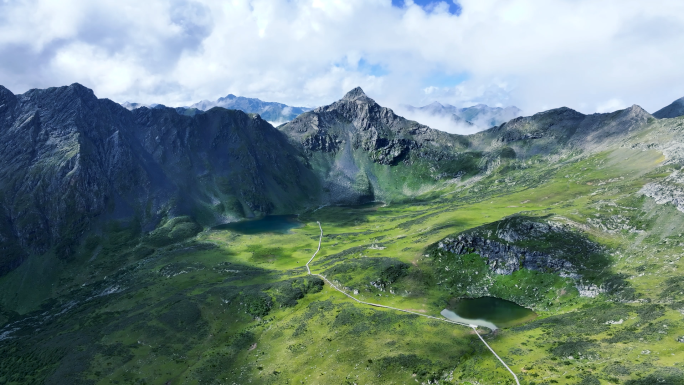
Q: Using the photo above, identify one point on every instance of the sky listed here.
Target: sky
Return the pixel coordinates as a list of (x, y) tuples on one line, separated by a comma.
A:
[(593, 56)]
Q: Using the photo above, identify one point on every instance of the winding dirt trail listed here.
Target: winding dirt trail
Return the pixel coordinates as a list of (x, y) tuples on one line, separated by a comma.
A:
[(474, 327)]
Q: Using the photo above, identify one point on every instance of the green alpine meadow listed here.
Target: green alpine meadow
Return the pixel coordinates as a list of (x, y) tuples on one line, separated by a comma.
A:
[(154, 246)]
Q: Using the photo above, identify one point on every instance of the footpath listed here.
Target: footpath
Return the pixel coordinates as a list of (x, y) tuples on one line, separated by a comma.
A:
[(474, 327)]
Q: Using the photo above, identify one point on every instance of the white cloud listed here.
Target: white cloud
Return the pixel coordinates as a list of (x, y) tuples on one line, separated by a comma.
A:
[(533, 54), (611, 105)]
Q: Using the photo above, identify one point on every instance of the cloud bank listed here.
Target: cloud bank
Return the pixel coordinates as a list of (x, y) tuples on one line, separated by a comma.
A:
[(588, 55)]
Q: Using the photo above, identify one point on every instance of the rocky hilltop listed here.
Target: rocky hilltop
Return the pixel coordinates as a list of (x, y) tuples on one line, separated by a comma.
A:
[(72, 162)]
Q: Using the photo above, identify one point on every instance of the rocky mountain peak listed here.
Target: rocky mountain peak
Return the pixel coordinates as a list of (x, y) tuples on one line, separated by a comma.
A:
[(228, 97), (356, 94), (636, 110)]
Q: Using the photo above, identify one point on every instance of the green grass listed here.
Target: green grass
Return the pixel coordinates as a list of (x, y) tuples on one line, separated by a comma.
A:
[(219, 307)]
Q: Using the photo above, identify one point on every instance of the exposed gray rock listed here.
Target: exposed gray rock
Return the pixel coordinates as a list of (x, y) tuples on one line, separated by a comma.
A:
[(505, 258), (537, 244), (589, 290), (670, 190)]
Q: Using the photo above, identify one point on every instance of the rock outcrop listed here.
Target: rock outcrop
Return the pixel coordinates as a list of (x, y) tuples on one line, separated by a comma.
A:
[(505, 258), (669, 190), (537, 244)]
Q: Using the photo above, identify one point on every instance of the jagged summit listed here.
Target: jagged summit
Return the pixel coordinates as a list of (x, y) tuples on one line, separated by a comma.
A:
[(356, 94), (673, 110)]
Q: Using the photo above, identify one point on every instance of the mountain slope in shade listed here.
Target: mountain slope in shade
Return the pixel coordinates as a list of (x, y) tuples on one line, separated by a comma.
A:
[(71, 162), (673, 110)]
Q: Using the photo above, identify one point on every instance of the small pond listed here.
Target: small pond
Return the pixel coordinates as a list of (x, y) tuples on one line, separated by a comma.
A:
[(269, 224), (490, 312)]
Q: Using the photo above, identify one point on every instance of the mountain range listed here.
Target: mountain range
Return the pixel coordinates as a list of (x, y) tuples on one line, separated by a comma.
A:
[(276, 113), (73, 162), (116, 265)]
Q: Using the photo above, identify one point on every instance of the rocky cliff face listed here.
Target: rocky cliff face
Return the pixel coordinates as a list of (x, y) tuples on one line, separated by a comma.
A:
[(70, 161), (503, 251)]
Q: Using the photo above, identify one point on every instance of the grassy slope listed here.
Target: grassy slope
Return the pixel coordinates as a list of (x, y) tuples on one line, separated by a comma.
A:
[(221, 308)]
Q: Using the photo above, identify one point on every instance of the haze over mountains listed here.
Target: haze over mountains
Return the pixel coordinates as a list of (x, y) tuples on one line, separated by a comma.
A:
[(445, 117), (460, 120), (274, 113)]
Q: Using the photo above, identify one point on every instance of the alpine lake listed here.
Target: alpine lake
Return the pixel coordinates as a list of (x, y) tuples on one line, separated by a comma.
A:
[(490, 312)]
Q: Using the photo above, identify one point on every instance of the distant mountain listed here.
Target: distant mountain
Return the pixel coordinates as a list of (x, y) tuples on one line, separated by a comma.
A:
[(671, 111), (270, 111), (477, 117), (275, 113)]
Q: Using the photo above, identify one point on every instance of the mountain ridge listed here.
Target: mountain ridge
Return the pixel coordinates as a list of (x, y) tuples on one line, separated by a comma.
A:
[(71, 160)]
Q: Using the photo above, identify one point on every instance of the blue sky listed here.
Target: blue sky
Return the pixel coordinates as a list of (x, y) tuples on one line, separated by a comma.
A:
[(453, 6), (593, 56)]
